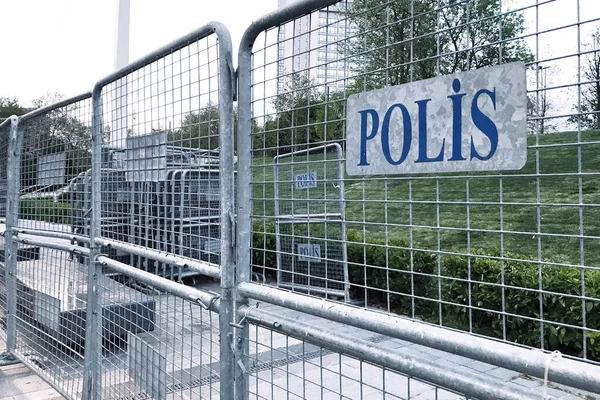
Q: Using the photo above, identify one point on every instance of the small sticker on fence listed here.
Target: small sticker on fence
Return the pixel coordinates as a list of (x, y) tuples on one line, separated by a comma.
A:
[(306, 181), (309, 252)]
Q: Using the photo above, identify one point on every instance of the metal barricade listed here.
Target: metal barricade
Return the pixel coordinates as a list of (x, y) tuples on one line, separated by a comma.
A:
[(162, 194), (52, 148), (502, 255), (423, 279)]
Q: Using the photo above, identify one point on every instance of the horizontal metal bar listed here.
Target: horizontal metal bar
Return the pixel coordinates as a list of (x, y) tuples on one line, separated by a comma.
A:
[(577, 374), (310, 150), (167, 49), (470, 384), (54, 245), (53, 234), (206, 299), (7, 121), (204, 268), (57, 105), (278, 17)]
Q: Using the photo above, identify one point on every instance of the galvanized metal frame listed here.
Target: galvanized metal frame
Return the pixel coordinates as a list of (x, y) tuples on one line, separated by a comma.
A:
[(527, 361), (15, 230), (531, 362), (244, 213), (470, 384), (12, 219), (226, 154), (235, 314), (281, 219)]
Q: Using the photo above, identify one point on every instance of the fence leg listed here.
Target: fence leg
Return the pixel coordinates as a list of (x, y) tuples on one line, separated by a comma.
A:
[(227, 215), (11, 246), (92, 372)]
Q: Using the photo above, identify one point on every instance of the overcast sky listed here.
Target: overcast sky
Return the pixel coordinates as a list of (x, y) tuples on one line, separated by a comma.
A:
[(67, 45)]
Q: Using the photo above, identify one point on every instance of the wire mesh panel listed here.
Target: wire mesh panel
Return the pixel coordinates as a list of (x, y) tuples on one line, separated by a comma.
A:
[(160, 157), (309, 212), (287, 367), (162, 182), (51, 306), (510, 255), (157, 345), (55, 157)]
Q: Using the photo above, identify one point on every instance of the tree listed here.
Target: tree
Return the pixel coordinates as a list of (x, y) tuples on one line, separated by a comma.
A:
[(473, 30), (303, 117), (294, 125), (66, 129), (383, 48), (540, 103), (9, 106), (200, 129), (403, 40), (588, 111)]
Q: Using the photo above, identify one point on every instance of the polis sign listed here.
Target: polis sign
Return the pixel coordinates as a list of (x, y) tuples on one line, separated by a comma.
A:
[(470, 121)]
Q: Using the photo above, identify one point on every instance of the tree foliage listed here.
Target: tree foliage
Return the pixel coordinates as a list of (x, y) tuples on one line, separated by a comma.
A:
[(589, 109), (402, 41), (200, 129), (392, 42), (65, 129), (303, 116), (9, 106)]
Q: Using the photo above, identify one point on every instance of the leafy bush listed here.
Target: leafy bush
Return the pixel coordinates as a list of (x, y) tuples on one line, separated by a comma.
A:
[(380, 274), (45, 210), (522, 298), (264, 254), (376, 270)]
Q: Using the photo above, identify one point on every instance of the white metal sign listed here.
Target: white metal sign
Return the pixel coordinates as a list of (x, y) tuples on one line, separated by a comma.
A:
[(309, 252), (51, 169), (470, 121), (306, 181), (146, 158)]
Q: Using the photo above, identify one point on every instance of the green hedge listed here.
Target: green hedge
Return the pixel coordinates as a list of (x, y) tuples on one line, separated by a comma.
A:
[(45, 210), (382, 275)]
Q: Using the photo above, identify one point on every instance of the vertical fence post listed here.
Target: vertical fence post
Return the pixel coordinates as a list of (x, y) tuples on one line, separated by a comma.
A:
[(92, 375), (244, 212), (11, 250), (226, 185), (244, 147)]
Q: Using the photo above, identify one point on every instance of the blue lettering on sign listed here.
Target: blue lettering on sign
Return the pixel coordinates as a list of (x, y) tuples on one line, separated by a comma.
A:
[(306, 181), (480, 120), (309, 252)]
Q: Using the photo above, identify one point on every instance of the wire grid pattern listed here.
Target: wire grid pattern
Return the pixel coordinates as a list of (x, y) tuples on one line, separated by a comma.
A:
[(50, 318), (156, 345), (282, 366), (4, 141), (311, 255), (509, 255), (55, 156), (160, 162)]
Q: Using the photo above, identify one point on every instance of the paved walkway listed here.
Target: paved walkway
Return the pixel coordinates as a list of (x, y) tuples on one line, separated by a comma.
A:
[(17, 382), (281, 367), (344, 377)]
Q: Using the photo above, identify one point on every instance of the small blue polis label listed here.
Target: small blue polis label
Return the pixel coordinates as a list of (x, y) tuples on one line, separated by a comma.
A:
[(309, 252), (306, 181), (471, 121)]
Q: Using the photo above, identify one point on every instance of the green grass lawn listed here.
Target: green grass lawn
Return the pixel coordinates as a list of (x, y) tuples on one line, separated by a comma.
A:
[(442, 219)]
